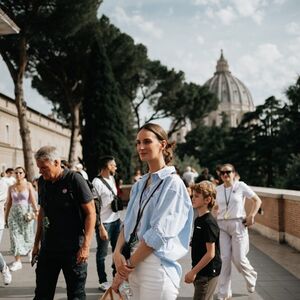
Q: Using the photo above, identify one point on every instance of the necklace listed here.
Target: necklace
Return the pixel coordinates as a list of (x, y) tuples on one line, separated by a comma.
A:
[(227, 200)]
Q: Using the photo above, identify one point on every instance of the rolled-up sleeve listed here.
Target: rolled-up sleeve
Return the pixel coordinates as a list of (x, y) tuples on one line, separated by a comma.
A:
[(169, 216)]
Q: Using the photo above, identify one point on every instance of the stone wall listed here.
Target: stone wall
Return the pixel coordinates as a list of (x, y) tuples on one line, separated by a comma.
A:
[(279, 217)]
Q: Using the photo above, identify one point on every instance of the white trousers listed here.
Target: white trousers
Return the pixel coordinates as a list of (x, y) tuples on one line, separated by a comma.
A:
[(149, 281), (234, 246)]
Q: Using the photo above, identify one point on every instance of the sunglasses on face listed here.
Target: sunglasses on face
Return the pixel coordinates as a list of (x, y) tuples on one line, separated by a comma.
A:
[(225, 172)]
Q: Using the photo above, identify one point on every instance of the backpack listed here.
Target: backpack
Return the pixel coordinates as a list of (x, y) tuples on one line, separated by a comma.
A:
[(97, 200)]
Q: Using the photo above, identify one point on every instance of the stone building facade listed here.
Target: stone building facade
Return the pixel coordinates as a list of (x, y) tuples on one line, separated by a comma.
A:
[(43, 129)]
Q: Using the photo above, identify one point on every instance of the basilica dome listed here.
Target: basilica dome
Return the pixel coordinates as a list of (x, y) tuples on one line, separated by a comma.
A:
[(235, 98)]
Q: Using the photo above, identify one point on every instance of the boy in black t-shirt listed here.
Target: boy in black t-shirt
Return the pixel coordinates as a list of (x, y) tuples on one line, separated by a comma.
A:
[(206, 260)]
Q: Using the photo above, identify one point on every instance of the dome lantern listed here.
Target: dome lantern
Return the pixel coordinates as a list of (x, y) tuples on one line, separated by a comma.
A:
[(222, 64)]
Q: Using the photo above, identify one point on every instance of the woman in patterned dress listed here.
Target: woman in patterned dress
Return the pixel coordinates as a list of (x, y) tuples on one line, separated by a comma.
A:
[(21, 199)]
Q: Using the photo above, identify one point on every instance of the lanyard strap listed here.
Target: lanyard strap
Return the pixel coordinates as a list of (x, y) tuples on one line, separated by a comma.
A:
[(141, 209), (227, 200)]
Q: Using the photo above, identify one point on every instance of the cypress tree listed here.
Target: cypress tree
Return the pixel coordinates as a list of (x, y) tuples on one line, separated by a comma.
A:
[(104, 128)]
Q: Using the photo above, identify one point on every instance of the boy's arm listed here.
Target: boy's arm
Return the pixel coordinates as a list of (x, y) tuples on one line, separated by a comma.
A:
[(207, 257)]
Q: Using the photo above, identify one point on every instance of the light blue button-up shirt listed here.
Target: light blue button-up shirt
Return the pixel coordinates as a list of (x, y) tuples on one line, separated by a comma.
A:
[(166, 221)]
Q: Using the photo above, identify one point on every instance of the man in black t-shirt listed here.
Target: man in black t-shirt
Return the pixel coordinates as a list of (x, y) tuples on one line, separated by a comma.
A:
[(65, 227), (206, 260)]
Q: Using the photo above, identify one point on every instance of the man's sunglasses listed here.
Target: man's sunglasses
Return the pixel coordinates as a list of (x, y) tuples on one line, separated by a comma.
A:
[(225, 172)]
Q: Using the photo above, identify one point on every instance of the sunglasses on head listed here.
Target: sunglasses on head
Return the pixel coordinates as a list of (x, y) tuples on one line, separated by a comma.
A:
[(225, 172)]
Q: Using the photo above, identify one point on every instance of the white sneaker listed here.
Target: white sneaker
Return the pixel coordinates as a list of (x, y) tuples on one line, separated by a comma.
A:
[(6, 275), (104, 286), (15, 266)]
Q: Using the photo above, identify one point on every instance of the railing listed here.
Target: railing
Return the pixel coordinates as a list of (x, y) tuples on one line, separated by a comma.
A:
[(279, 216)]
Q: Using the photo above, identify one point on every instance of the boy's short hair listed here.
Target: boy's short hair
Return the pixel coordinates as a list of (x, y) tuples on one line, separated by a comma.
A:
[(207, 189)]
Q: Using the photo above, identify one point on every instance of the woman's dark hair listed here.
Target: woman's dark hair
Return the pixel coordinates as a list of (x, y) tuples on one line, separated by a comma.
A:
[(104, 160), (161, 136), (228, 165)]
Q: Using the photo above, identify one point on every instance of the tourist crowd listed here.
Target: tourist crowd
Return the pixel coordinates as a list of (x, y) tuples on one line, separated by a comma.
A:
[(52, 220)]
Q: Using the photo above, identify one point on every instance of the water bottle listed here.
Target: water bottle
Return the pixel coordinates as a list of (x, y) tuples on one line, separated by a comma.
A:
[(125, 290)]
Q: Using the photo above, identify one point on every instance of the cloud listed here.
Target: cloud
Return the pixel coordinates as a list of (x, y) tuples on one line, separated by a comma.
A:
[(226, 15), (206, 2), (269, 70), (170, 12), (200, 39), (235, 9), (292, 28), (138, 21), (268, 53), (279, 2)]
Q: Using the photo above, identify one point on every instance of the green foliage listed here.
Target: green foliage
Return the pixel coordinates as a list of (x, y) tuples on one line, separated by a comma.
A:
[(104, 131), (292, 178), (207, 144)]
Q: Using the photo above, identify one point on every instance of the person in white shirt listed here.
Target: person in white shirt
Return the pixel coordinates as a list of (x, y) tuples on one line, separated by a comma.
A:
[(3, 266), (234, 222), (109, 232), (189, 176), (79, 168), (9, 177)]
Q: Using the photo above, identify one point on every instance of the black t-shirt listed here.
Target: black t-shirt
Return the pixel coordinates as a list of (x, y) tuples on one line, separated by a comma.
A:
[(206, 230), (63, 223)]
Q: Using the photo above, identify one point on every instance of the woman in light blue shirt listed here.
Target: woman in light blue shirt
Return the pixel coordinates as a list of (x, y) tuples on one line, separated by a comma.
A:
[(158, 222)]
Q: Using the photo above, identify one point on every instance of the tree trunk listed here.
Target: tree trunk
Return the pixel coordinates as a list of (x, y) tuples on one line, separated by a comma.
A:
[(21, 108), (75, 131)]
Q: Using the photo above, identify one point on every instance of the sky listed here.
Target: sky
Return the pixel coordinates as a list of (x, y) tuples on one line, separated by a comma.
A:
[(260, 40)]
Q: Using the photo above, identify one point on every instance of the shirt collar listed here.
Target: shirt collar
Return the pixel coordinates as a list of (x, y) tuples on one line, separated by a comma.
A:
[(162, 173)]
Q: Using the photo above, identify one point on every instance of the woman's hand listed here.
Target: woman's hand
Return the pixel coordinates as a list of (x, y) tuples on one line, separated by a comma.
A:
[(190, 277), (249, 220), (121, 265)]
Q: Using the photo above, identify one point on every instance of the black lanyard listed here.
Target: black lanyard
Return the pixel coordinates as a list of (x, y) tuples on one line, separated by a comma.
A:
[(141, 209)]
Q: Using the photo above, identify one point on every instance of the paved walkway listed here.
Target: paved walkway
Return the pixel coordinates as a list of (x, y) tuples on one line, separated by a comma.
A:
[(278, 269)]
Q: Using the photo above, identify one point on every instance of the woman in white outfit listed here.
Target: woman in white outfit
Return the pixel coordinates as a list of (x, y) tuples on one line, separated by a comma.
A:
[(158, 223), (234, 223)]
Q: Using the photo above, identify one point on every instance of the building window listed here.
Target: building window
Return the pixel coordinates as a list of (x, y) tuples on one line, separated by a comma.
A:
[(6, 139)]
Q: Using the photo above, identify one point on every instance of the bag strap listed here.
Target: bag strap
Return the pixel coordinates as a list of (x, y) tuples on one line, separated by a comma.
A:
[(141, 209), (107, 185)]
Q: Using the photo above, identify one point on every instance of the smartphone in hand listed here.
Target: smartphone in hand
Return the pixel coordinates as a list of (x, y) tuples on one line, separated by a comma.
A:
[(34, 260)]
